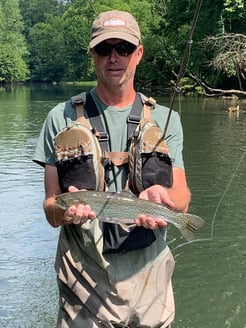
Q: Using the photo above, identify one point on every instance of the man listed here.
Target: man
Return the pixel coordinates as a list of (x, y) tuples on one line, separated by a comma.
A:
[(120, 288)]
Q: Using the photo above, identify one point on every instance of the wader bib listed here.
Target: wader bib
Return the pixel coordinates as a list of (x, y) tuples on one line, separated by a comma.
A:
[(84, 160)]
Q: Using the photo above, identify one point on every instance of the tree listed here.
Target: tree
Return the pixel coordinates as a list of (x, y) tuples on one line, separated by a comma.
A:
[(46, 39), (57, 33), (234, 16), (35, 11), (60, 46), (178, 17), (227, 47), (229, 54), (13, 50)]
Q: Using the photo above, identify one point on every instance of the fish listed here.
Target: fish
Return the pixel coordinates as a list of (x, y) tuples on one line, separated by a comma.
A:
[(124, 207)]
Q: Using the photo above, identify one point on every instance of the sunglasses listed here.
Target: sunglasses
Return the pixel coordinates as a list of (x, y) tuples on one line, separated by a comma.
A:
[(122, 48)]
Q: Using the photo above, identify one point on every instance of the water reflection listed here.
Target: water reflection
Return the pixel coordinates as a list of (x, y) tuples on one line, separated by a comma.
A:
[(27, 242), (209, 279)]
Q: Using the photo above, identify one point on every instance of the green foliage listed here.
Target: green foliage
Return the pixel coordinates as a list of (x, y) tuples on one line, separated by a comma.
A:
[(57, 34), (233, 5), (47, 60), (12, 66), (60, 46), (189, 87), (13, 50), (234, 14), (35, 11)]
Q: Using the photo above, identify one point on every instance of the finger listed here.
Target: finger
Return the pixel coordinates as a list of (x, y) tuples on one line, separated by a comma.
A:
[(80, 210), (83, 214), (78, 219), (150, 223), (138, 220), (145, 221), (79, 215), (70, 213), (88, 212), (161, 223)]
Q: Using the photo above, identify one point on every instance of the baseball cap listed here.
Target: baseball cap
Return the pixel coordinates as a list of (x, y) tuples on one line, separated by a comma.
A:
[(115, 24)]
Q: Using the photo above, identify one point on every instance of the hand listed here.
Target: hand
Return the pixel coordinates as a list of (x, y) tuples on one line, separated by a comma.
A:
[(157, 194), (78, 213), (149, 222)]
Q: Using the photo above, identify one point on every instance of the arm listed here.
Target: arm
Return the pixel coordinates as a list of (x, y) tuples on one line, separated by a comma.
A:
[(53, 214), (179, 193), (77, 214)]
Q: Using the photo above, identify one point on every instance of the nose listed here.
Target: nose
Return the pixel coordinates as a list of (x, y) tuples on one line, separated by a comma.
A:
[(113, 57)]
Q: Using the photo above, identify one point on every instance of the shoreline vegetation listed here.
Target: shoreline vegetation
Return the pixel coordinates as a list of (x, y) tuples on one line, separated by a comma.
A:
[(200, 88), (48, 41)]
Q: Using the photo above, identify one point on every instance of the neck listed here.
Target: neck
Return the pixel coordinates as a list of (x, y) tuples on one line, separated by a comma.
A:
[(116, 97)]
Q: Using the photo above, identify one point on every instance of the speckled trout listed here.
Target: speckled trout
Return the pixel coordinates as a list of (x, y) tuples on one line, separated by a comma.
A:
[(123, 208)]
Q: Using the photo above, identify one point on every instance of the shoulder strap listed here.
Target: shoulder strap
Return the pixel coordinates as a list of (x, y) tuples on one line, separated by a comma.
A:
[(84, 101), (142, 106), (135, 115), (78, 102), (96, 122), (117, 158)]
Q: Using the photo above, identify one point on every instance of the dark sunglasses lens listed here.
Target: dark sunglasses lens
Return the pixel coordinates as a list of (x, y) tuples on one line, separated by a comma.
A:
[(103, 49), (125, 48), (122, 48)]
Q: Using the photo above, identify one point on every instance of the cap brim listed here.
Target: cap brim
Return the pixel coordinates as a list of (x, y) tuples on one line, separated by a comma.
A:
[(114, 35)]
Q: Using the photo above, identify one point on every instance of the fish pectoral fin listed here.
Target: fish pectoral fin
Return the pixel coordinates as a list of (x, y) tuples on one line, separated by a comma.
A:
[(126, 227)]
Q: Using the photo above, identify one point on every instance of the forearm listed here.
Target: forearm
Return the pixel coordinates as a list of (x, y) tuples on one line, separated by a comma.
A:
[(181, 197), (179, 193), (54, 215)]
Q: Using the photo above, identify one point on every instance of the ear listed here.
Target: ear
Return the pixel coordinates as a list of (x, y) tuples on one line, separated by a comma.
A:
[(91, 52), (140, 52)]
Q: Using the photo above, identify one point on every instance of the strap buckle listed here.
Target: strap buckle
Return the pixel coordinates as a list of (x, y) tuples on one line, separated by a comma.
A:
[(103, 136), (135, 119)]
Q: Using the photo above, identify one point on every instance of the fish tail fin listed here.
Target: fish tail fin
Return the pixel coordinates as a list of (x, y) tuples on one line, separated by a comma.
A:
[(190, 224)]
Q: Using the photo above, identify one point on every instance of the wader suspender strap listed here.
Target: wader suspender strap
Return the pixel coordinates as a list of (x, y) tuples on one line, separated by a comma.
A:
[(135, 115), (117, 158), (85, 102), (96, 122), (94, 116), (99, 131)]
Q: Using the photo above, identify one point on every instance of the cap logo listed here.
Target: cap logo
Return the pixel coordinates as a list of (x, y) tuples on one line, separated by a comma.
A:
[(114, 22)]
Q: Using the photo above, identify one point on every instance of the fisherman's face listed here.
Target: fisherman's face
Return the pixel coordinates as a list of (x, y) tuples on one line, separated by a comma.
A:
[(116, 61)]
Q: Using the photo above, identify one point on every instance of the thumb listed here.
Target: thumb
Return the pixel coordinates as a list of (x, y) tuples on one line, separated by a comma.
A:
[(72, 189), (169, 203)]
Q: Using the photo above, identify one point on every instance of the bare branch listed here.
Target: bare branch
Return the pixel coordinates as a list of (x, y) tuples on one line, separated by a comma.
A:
[(230, 52)]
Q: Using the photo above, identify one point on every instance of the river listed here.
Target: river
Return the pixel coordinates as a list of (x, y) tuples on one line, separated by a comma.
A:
[(210, 276)]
